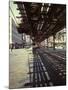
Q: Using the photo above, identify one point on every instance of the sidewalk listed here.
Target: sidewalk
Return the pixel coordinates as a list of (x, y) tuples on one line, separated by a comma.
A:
[(18, 67)]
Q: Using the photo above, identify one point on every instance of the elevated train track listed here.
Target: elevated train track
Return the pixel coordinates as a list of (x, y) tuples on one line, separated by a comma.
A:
[(41, 20)]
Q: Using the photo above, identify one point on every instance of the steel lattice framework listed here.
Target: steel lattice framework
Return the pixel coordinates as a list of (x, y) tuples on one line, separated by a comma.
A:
[(41, 20)]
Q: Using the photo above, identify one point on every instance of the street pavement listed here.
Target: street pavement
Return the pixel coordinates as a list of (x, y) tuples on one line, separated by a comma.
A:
[(18, 67), (39, 69)]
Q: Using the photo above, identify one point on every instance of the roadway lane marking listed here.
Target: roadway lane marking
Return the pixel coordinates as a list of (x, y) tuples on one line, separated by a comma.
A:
[(42, 64), (55, 55), (47, 75), (35, 76), (39, 77), (58, 56), (46, 70)]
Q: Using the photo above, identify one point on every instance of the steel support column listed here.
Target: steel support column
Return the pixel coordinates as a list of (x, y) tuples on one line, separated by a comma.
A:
[(47, 42), (54, 42), (22, 39)]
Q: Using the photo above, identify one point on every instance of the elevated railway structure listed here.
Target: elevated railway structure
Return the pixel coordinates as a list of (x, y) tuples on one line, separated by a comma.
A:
[(40, 21)]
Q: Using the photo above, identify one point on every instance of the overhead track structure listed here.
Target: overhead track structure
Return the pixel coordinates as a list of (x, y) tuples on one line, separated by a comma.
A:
[(41, 20)]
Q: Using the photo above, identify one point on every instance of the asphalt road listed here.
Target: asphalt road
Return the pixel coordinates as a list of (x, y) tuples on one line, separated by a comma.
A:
[(40, 68), (55, 65)]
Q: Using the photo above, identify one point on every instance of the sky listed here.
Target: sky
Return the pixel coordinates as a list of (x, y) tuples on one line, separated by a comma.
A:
[(15, 12)]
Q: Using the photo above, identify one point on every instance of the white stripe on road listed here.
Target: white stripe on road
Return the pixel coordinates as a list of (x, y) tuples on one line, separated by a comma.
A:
[(47, 75), (58, 56), (45, 69)]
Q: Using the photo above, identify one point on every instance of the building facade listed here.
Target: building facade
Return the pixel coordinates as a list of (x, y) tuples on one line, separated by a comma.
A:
[(15, 37)]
